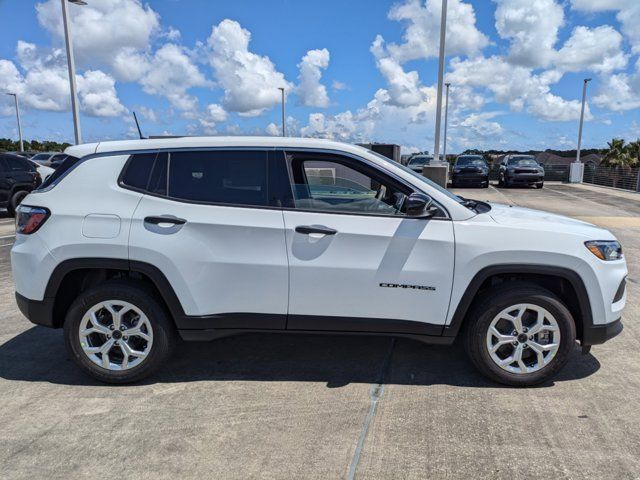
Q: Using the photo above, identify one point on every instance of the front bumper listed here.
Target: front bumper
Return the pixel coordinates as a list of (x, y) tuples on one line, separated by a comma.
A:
[(598, 334), (39, 312), (524, 178), (469, 178)]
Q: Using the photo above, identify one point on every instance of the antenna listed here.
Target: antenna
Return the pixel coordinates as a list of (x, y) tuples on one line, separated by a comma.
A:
[(135, 117)]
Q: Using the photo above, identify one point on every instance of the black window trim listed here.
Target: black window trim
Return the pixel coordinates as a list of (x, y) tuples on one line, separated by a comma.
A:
[(166, 196), (381, 171), (384, 174)]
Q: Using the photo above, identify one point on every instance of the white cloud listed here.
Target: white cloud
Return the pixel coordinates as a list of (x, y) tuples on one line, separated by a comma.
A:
[(422, 34), (273, 129), (103, 31), (98, 95), (516, 86), (628, 15), (311, 92), (598, 49), (532, 27), (620, 92), (404, 88), (337, 85), (480, 124), (250, 81), (171, 73)]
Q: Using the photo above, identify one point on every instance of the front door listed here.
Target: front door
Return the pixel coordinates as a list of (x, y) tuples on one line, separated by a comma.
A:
[(357, 263)]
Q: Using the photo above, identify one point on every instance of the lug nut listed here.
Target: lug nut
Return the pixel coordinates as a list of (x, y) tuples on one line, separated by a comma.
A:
[(514, 333), (525, 346), (515, 343), (525, 329), (122, 329), (531, 337), (111, 327), (125, 338), (117, 343)]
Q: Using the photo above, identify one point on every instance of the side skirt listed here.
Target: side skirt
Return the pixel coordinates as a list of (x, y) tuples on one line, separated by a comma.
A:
[(207, 335)]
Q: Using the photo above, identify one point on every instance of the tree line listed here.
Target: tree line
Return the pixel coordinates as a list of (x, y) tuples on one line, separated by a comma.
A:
[(8, 145)]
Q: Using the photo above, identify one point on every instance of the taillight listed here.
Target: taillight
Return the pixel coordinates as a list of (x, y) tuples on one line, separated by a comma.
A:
[(30, 219)]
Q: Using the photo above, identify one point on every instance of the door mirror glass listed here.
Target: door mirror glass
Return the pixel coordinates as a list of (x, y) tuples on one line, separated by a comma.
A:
[(419, 205)]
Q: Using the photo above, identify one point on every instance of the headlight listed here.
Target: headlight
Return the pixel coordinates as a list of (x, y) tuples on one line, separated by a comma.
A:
[(605, 249), (456, 170)]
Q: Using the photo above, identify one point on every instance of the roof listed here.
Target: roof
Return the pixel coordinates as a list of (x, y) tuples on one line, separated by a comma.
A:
[(200, 142)]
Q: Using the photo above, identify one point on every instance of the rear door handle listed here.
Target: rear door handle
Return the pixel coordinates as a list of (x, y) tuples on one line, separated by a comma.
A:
[(308, 229), (165, 219)]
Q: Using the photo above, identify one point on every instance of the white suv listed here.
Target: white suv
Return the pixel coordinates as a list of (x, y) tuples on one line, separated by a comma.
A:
[(132, 243)]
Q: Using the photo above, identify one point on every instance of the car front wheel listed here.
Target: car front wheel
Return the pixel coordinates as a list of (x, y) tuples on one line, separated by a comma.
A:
[(520, 336), (118, 332)]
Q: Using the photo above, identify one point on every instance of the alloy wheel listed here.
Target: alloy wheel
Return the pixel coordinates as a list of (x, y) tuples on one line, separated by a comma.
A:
[(523, 338), (116, 335)]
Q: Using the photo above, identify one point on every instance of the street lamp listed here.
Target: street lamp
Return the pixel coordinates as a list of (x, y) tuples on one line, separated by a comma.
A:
[(443, 26), (446, 121), (284, 132), (72, 67), (584, 97), (15, 98)]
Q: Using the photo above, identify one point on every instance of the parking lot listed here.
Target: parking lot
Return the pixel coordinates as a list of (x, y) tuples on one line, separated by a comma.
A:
[(298, 406)]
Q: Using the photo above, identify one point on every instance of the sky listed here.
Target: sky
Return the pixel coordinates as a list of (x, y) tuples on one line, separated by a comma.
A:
[(354, 71)]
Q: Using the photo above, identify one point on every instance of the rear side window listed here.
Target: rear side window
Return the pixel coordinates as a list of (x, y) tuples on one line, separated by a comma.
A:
[(17, 164), (224, 177), (138, 170), (57, 175)]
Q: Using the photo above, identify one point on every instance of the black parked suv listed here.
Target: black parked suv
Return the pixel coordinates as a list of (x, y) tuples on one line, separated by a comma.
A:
[(470, 170), (520, 170), (18, 176)]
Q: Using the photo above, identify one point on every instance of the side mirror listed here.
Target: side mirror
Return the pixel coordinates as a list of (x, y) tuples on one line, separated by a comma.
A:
[(419, 205)]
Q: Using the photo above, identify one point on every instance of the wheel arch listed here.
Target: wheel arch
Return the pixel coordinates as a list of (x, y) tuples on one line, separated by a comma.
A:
[(73, 276), (563, 282)]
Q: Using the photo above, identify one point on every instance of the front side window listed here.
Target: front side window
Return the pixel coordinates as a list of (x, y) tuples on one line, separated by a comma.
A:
[(420, 161), (329, 185), (216, 176)]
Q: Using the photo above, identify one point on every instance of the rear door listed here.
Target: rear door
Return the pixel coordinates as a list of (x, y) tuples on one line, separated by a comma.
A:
[(5, 182), (210, 223), (357, 263)]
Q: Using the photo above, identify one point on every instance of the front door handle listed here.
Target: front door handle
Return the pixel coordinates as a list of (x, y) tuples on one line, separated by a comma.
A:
[(308, 229), (165, 219)]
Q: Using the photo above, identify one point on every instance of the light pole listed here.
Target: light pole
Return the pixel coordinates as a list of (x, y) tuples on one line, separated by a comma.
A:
[(584, 98), (72, 68), (443, 27), (446, 121), (284, 132), (15, 98)]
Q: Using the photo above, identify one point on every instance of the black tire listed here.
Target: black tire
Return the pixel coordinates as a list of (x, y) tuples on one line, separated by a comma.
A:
[(540, 185), (164, 334), (484, 311), (15, 200), (485, 184)]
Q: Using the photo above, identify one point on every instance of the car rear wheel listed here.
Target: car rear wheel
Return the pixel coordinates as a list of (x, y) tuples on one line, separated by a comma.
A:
[(539, 184), (15, 200), (520, 336), (118, 332)]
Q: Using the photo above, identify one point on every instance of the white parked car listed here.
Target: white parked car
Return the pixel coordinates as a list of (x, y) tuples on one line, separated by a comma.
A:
[(135, 242)]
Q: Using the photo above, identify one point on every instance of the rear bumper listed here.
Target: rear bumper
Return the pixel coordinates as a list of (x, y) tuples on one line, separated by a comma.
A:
[(598, 334), (39, 312)]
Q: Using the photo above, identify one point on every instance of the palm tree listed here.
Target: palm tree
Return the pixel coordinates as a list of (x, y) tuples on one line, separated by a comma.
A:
[(614, 156)]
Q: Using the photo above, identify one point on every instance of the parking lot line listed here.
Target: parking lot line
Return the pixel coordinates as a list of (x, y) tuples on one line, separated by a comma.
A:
[(6, 236), (6, 244)]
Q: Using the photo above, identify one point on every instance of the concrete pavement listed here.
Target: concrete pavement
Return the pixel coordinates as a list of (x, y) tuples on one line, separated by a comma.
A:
[(277, 406)]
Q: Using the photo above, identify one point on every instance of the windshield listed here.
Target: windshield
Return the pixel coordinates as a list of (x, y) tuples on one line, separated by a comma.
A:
[(528, 161), (423, 160), (475, 161), (424, 180)]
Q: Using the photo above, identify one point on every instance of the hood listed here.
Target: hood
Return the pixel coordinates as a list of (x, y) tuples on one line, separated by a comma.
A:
[(537, 219)]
